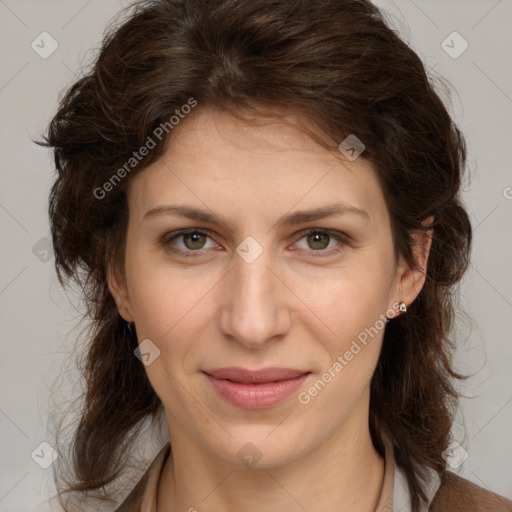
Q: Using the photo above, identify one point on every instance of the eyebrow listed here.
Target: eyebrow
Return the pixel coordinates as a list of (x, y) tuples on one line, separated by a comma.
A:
[(290, 219)]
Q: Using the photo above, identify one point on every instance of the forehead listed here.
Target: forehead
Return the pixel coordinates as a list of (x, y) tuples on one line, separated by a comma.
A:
[(268, 166)]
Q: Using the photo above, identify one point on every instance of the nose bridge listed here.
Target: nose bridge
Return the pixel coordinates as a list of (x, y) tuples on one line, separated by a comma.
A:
[(253, 312), (253, 279)]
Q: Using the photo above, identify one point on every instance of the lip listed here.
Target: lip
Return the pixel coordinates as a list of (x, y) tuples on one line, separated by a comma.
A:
[(259, 389)]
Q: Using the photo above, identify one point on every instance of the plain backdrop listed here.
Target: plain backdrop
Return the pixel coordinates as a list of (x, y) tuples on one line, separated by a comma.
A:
[(37, 317)]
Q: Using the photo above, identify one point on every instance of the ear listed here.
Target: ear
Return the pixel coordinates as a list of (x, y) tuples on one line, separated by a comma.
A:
[(410, 280), (117, 286)]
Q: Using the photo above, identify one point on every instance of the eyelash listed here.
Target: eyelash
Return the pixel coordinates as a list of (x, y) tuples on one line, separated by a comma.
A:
[(170, 237)]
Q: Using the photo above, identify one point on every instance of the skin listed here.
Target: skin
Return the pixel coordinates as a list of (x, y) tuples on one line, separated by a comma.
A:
[(294, 306)]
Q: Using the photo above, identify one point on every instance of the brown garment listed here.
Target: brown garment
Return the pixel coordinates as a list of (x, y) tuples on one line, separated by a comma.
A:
[(457, 494)]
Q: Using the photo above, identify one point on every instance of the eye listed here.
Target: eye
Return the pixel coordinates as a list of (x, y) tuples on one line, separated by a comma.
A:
[(319, 239), (193, 241)]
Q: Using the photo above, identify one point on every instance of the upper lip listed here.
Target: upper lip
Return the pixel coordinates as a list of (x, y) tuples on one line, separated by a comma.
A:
[(237, 374)]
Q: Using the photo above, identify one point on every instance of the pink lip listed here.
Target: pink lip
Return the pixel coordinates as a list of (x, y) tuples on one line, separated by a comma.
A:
[(255, 389)]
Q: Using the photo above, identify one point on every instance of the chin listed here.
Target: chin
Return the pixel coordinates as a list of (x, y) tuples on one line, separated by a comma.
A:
[(258, 447)]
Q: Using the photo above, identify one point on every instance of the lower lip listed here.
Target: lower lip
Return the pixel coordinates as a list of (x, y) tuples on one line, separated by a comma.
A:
[(256, 396)]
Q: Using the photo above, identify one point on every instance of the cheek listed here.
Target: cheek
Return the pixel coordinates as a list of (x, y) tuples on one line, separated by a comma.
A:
[(163, 301), (170, 309), (169, 303), (347, 301), (352, 310)]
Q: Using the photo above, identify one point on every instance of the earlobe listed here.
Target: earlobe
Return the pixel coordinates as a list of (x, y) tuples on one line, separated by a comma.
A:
[(117, 286)]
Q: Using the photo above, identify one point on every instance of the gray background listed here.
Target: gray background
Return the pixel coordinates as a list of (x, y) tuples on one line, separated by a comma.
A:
[(37, 317)]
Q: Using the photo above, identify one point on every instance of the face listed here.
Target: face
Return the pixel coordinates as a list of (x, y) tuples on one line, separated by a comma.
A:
[(265, 326)]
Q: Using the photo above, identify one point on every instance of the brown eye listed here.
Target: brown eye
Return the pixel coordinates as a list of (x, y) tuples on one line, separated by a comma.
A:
[(318, 240), (192, 242)]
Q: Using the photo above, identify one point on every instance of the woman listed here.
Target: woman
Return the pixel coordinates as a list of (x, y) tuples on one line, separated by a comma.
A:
[(261, 203)]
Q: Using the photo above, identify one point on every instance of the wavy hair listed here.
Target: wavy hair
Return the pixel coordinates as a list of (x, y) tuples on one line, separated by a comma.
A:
[(336, 63)]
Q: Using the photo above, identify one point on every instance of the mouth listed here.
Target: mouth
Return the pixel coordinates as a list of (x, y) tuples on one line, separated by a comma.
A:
[(258, 389)]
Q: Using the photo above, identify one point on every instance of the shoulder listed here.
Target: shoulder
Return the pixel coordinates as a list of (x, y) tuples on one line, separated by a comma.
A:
[(456, 494)]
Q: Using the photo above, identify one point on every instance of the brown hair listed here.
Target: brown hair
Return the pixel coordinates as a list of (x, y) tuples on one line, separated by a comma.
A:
[(336, 63)]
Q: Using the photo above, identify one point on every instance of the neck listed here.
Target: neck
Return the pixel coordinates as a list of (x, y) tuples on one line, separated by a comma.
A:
[(344, 474)]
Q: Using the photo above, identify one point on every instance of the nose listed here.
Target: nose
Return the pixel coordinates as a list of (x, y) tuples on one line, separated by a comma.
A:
[(254, 312)]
